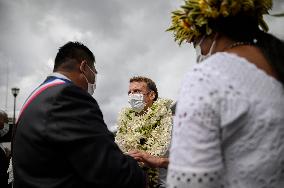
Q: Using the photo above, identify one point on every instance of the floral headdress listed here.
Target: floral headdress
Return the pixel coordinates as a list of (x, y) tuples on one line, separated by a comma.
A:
[(190, 22)]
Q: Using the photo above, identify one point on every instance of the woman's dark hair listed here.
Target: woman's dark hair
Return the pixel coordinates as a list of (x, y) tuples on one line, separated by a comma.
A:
[(243, 28)]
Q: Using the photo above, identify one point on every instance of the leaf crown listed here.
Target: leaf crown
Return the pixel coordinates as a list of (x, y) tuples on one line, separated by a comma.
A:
[(193, 18)]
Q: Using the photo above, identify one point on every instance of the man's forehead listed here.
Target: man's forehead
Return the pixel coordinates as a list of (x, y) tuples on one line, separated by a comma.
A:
[(137, 84)]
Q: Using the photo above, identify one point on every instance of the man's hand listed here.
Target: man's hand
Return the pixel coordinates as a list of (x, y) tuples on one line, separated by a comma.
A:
[(149, 160)]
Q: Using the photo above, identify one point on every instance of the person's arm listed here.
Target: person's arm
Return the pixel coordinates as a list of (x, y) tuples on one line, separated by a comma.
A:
[(77, 125), (149, 160)]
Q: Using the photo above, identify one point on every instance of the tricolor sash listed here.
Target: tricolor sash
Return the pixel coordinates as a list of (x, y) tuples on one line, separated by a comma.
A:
[(50, 82)]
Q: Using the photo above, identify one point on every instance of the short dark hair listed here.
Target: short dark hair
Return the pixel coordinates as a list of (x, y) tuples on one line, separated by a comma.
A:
[(3, 116), (73, 51), (150, 84)]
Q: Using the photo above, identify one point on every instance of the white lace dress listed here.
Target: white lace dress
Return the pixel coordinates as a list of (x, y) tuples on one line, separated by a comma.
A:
[(229, 127)]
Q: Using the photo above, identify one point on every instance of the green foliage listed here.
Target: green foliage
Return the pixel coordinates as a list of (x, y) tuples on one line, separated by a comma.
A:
[(191, 20)]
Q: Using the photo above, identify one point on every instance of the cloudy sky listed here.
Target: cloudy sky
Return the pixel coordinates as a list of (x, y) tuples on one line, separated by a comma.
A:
[(127, 37)]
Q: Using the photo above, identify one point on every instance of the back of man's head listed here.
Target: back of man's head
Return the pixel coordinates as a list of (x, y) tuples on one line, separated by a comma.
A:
[(71, 54)]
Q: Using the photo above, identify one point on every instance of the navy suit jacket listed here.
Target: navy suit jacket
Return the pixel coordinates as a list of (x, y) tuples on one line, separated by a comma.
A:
[(61, 140)]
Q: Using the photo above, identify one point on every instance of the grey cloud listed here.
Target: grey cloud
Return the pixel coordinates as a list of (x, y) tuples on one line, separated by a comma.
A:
[(127, 37)]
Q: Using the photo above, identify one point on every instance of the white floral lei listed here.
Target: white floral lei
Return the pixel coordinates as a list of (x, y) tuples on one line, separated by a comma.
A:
[(150, 132)]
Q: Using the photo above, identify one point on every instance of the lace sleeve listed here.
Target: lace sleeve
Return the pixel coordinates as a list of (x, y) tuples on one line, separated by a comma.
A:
[(195, 154)]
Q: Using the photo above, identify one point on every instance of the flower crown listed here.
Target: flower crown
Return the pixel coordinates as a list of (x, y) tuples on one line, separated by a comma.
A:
[(190, 22)]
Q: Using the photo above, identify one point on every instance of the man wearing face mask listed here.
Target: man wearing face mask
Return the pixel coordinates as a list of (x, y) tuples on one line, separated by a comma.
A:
[(144, 129), (61, 139)]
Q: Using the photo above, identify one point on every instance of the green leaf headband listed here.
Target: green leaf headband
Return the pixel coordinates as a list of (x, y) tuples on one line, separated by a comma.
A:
[(189, 22)]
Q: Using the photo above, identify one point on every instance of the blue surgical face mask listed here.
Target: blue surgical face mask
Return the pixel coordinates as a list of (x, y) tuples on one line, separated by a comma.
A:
[(5, 130), (91, 87), (199, 56)]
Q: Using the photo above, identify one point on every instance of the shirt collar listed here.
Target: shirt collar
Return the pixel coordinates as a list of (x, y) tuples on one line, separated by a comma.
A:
[(59, 75)]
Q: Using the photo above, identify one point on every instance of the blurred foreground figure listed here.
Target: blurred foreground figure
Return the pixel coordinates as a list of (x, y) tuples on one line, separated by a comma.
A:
[(228, 129), (61, 138), (4, 152)]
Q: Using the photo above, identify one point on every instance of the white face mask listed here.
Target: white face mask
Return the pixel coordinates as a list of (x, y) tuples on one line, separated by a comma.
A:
[(91, 87), (5, 129), (199, 56), (136, 102)]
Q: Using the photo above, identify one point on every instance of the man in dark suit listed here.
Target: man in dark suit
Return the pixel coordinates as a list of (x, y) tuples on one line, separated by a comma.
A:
[(61, 139)]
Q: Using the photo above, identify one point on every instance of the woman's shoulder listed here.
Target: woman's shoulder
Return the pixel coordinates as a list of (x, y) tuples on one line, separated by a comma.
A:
[(224, 67), (220, 61)]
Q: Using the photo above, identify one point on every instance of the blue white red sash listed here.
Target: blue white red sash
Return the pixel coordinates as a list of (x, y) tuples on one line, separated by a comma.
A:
[(39, 90)]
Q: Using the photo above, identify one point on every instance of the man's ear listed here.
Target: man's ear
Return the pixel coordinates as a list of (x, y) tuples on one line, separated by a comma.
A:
[(83, 65), (152, 95)]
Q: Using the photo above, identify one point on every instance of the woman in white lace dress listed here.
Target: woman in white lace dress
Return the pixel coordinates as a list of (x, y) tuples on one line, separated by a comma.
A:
[(229, 125)]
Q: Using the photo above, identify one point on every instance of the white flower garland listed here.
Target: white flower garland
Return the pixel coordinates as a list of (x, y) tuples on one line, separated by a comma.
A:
[(150, 132)]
